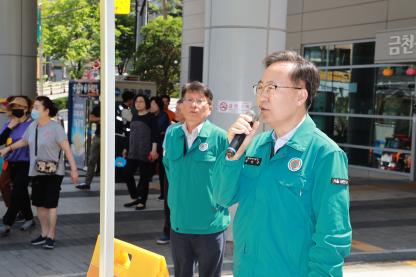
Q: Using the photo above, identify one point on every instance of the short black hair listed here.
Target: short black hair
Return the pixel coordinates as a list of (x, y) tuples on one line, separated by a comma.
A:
[(145, 98), (127, 95), (165, 96), (198, 87), (158, 101), (48, 104), (304, 71)]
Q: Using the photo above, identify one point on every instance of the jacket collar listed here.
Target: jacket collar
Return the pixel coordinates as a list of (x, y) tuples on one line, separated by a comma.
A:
[(300, 139), (204, 133)]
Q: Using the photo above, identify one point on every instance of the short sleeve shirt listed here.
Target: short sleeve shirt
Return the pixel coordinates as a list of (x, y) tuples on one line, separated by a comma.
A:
[(49, 138)]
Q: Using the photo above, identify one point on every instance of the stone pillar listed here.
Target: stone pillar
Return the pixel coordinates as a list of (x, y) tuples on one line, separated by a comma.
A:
[(238, 35), (17, 47)]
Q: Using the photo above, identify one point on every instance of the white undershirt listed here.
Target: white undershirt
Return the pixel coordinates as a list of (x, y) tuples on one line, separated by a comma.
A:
[(280, 142), (191, 137)]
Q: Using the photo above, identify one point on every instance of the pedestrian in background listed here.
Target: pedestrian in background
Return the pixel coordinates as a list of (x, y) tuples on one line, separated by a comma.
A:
[(46, 140), (165, 238), (94, 155), (141, 151), (162, 119), (290, 183), (122, 128), (197, 223), (17, 164), (166, 102), (5, 187)]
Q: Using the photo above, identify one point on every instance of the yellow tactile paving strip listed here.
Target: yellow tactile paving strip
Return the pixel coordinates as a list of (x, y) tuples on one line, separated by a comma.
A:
[(412, 263), (365, 247)]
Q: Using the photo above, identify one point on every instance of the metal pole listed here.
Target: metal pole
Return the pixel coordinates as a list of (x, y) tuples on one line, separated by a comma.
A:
[(413, 149), (145, 11), (107, 99)]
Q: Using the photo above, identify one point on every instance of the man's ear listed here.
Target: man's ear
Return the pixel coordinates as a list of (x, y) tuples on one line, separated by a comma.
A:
[(302, 96)]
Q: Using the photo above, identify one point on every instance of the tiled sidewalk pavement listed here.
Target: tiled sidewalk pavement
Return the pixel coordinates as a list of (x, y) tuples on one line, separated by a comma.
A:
[(383, 218), (77, 229)]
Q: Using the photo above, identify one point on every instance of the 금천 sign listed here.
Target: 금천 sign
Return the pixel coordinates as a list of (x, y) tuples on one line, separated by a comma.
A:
[(397, 45)]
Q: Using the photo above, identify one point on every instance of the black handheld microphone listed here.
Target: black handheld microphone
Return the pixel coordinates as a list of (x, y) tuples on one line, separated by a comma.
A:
[(239, 138)]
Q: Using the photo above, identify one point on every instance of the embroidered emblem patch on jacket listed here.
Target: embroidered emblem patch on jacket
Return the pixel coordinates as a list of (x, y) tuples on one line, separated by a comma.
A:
[(294, 164), (203, 147)]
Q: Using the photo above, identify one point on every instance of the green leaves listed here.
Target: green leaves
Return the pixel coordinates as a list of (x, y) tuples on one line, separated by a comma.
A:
[(158, 57), (71, 32)]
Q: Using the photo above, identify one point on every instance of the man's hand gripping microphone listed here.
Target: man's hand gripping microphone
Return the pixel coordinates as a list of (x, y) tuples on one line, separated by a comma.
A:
[(239, 138)]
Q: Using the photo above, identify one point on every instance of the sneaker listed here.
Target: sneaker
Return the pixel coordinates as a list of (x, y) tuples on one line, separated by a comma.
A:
[(4, 230), (20, 218), (49, 244), (163, 240), (83, 186), (38, 241), (27, 225)]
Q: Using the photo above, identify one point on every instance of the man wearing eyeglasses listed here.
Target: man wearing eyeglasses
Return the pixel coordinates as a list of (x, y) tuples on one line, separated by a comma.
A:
[(197, 223), (291, 183)]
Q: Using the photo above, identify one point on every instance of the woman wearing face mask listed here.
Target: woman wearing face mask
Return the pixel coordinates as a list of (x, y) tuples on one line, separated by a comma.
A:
[(17, 164), (141, 151), (47, 142)]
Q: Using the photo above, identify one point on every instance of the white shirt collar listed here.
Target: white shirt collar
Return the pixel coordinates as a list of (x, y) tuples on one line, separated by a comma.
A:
[(280, 142), (191, 137)]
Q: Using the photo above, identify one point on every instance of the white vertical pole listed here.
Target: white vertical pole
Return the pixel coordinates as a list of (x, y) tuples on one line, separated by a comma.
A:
[(107, 99)]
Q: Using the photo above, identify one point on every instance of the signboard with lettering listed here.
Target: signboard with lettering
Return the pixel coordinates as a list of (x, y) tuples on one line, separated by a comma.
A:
[(236, 107), (398, 45), (77, 117)]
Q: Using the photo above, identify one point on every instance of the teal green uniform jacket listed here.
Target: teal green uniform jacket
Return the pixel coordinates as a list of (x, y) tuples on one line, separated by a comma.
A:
[(189, 172), (292, 218)]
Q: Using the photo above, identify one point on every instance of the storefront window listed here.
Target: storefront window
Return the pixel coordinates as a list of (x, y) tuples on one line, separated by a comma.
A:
[(365, 108), (395, 94), (317, 55), (387, 141)]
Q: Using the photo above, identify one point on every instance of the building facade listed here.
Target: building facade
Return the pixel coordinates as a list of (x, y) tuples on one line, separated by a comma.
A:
[(366, 53), (17, 47)]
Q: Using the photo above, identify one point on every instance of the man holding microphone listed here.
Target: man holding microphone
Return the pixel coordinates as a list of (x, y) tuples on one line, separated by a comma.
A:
[(291, 183)]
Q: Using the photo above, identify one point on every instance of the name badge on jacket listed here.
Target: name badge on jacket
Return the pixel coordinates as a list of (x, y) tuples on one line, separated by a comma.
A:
[(253, 161)]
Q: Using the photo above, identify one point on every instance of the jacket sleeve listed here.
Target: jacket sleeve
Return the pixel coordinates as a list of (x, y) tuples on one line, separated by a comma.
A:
[(226, 180), (330, 202)]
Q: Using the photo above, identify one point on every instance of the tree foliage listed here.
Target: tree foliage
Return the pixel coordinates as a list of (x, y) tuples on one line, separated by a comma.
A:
[(158, 56), (71, 32), (125, 41), (174, 7)]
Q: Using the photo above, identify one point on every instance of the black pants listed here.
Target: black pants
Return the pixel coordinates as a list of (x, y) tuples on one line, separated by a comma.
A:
[(166, 227), (141, 191), (120, 143), (206, 250), (162, 176), (20, 201)]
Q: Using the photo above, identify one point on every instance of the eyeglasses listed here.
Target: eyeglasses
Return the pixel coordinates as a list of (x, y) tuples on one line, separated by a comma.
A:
[(268, 89), (198, 102)]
